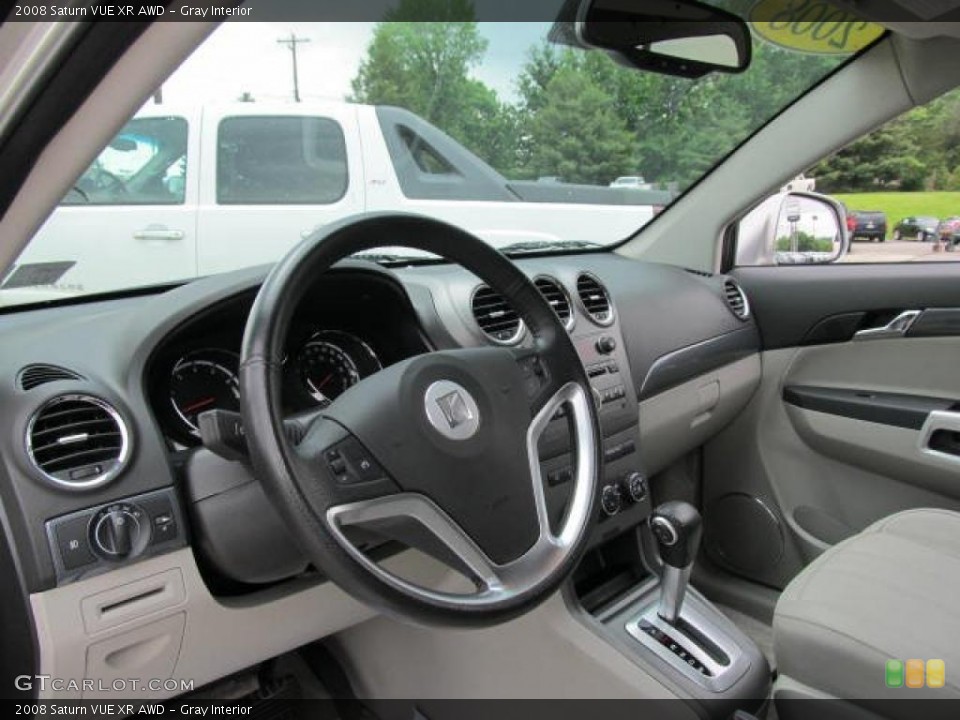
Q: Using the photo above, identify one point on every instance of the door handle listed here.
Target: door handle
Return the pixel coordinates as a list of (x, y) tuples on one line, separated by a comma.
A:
[(158, 233), (940, 436), (898, 327)]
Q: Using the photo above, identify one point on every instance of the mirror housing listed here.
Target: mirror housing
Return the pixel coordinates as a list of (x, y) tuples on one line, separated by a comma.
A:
[(793, 228), (672, 37)]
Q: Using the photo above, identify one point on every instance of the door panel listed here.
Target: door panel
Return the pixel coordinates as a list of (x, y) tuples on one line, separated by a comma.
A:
[(839, 433)]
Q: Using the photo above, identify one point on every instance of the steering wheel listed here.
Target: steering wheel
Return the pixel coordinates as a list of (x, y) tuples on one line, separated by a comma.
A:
[(439, 451)]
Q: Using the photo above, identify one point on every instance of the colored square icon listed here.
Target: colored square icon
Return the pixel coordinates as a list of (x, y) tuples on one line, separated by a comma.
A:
[(936, 673), (894, 674), (914, 673)]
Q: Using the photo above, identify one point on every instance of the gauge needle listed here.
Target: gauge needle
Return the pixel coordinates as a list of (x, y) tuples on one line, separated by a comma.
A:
[(199, 404), (323, 382)]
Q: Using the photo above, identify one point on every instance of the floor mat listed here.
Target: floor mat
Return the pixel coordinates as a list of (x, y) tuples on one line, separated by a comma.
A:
[(756, 630)]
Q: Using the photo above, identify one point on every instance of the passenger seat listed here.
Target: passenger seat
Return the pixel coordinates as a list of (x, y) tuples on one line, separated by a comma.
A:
[(890, 593)]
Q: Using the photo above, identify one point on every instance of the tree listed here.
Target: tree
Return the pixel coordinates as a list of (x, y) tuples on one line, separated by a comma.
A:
[(577, 134)]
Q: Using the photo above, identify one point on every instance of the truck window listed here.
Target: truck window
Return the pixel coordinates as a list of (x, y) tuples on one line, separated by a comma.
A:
[(280, 161), (145, 164)]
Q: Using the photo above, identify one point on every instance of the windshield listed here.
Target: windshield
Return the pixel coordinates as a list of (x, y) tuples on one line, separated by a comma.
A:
[(273, 130)]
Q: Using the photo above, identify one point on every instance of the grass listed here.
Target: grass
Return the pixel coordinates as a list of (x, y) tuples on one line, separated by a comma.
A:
[(898, 205)]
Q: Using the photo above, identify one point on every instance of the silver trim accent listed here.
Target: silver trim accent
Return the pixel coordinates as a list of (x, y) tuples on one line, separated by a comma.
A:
[(939, 420), (569, 323), (747, 312), (439, 414), (119, 464), (496, 583), (697, 613), (515, 338), (896, 328), (606, 294), (660, 521), (673, 588)]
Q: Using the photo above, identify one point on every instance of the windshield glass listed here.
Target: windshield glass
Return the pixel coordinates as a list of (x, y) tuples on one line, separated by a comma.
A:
[(273, 130)]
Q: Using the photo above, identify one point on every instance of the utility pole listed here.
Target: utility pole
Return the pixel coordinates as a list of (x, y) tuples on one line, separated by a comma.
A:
[(292, 42)]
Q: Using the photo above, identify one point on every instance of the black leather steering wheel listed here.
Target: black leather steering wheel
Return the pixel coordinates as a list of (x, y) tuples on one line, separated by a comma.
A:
[(439, 451)]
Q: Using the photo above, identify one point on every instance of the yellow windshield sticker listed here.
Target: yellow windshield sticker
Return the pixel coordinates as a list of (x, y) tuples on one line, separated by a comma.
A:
[(811, 26)]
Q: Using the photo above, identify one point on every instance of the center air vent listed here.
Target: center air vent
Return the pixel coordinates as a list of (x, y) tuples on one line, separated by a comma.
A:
[(595, 300), (736, 299), (78, 442), (36, 375), (496, 318), (557, 298)]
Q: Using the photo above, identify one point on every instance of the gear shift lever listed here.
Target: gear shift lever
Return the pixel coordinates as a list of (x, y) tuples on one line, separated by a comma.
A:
[(676, 526)]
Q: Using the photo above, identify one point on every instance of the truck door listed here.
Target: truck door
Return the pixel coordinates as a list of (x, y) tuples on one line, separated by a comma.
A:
[(271, 177), (136, 205)]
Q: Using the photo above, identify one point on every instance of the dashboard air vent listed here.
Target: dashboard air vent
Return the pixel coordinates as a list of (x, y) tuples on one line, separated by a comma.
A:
[(736, 299), (595, 300), (557, 298), (496, 318), (78, 441), (36, 375)]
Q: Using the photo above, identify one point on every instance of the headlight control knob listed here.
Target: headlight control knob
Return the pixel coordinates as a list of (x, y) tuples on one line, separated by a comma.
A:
[(611, 500), (635, 486), (119, 531)]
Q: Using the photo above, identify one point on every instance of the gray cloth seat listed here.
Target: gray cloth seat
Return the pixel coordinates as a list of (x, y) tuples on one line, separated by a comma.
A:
[(891, 592)]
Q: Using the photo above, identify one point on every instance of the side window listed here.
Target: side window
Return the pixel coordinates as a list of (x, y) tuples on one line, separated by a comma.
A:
[(280, 161), (145, 164), (901, 187)]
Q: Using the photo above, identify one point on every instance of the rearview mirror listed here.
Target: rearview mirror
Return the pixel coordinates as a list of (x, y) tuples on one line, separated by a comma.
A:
[(793, 229), (684, 38)]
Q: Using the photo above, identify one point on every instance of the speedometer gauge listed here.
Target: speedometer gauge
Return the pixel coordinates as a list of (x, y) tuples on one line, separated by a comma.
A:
[(331, 362), (204, 380)]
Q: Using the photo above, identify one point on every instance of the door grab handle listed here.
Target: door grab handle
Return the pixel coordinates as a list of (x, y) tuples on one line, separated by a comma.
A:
[(898, 327), (158, 234), (940, 421)]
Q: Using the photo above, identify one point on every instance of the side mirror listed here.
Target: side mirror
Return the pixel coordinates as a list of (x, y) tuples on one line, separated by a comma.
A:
[(793, 229), (685, 38)]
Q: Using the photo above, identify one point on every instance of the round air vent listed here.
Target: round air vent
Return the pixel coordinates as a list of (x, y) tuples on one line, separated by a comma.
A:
[(595, 299), (36, 375), (736, 299), (556, 296), (495, 316), (78, 442)]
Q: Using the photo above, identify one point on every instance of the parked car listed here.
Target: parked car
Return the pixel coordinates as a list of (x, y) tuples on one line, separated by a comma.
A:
[(920, 228), (867, 225), (949, 230), (632, 182)]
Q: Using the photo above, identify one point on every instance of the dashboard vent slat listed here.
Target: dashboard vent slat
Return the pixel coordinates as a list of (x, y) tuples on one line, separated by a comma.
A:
[(495, 317), (595, 299), (556, 298), (78, 441), (736, 299), (40, 374)]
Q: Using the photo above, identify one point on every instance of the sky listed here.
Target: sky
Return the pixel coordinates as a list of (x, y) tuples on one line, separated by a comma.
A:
[(247, 57)]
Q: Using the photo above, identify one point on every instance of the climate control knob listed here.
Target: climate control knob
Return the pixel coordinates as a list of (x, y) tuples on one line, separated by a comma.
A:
[(611, 500), (635, 486), (119, 531)]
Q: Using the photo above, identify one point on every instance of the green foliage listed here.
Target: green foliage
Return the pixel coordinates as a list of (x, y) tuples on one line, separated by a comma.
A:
[(805, 243), (577, 134)]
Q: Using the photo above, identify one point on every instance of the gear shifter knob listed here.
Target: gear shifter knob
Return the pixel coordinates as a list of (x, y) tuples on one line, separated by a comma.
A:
[(677, 527)]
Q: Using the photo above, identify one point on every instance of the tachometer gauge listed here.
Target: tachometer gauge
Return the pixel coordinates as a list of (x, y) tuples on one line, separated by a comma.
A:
[(204, 380), (332, 362)]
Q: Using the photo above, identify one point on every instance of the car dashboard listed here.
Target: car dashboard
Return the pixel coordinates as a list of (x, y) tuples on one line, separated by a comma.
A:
[(120, 519)]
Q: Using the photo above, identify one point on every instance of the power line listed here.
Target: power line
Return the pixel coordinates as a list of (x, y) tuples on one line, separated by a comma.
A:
[(292, 42)]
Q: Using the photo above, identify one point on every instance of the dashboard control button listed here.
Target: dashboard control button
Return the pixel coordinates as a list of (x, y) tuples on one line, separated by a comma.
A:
[(606, 345), (611, 500), (559, 477), (73, 544), (635, 486)]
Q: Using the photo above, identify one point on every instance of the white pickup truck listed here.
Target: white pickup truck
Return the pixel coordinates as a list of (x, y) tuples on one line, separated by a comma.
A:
[(186, 192)]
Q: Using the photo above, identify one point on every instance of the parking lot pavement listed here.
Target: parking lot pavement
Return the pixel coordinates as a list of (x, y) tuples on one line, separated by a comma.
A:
[(895, 252)]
